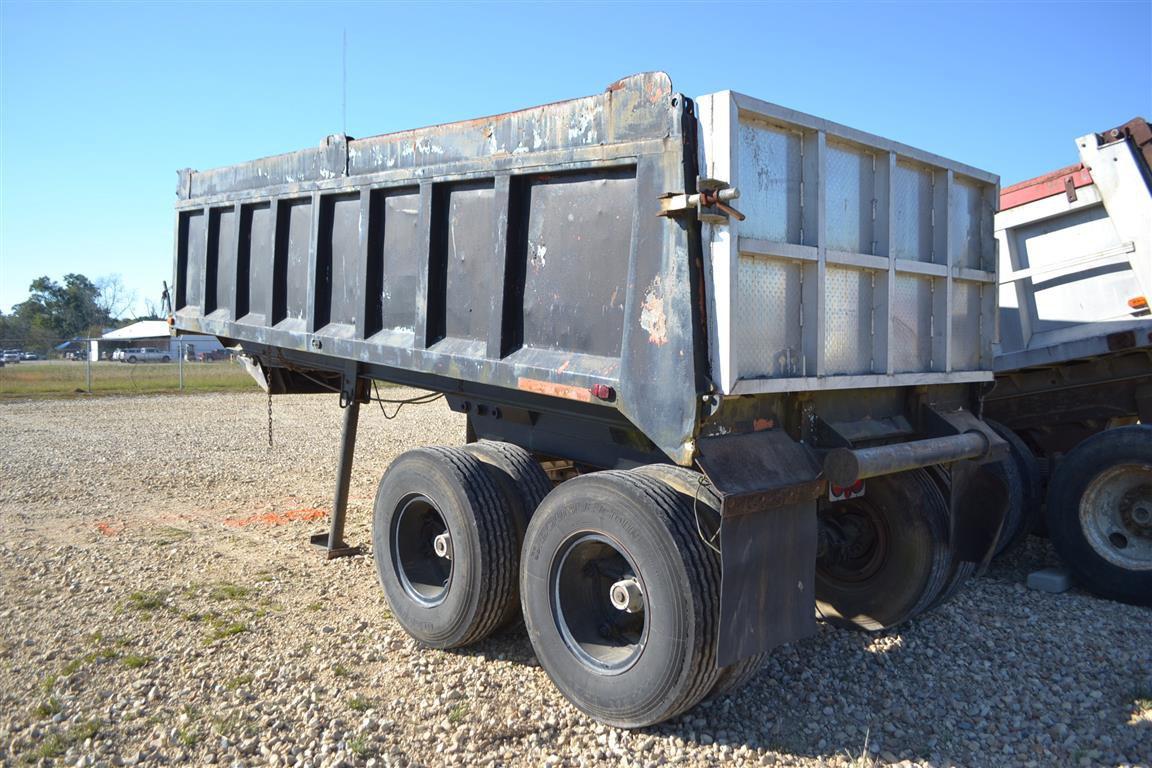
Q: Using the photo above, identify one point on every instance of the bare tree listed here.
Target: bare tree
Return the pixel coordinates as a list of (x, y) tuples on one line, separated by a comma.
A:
[(114, 299)]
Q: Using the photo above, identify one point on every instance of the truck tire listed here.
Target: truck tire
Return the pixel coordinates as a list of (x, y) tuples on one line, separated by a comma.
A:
[(165, 359), (518, 473), (1029, 470), (132, 359), (1100, 513), (1015, 527), (706, 508), (452, 591), (623, 536), (894, 559), (960, 570), (523, 485)]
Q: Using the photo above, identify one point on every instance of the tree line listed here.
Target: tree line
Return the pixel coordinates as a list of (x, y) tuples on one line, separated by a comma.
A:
[(76, 307)]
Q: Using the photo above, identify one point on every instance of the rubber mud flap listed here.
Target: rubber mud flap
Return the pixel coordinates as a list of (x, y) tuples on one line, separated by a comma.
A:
[(979, 505), (768, 586)]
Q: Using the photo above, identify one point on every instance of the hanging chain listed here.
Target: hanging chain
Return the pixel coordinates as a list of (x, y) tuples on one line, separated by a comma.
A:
[(269, 419)]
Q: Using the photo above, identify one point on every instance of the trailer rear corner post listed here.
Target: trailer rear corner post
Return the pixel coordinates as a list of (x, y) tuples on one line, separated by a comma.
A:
[(353, 392)]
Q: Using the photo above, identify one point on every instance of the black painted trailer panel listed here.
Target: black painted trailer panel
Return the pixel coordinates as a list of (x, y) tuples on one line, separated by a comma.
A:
[(522, 251)]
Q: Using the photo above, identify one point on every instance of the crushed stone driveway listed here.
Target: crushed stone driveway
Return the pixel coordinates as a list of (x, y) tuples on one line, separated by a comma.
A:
[(160, 604)]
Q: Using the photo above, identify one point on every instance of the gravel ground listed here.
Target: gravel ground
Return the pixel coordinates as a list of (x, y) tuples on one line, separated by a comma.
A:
[(159, 603)]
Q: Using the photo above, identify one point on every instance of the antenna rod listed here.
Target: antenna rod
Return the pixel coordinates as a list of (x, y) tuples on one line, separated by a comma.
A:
[(344, 83)]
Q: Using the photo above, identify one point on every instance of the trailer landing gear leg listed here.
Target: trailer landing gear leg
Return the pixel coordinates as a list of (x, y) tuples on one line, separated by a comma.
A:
[(333, 542)]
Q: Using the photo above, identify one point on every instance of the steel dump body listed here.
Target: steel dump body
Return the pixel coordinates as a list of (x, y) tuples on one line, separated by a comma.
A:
[(1075, 249), (525, 252)]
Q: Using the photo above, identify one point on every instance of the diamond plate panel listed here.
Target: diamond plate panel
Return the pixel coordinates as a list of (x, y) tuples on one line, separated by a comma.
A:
[(849, 193), (912, 199), (967, 304), (911, 340), (770, 172), (767, 321), (967, 216), (848, 308)]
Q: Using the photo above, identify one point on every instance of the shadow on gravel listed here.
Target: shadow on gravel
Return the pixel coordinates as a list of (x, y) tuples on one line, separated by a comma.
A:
[(1000, 675)]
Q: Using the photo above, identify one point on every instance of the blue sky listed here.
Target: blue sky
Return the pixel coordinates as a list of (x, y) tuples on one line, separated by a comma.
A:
[(101, 103)]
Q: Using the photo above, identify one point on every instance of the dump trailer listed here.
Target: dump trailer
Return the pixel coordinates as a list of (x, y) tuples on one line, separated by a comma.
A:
[(747, 343), (1073, 390)]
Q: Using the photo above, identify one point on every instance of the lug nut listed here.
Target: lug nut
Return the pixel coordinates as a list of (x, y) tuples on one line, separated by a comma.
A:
[(626, 596)]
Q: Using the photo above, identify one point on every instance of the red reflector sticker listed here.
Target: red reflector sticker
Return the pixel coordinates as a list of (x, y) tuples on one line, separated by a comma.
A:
[(836, 493)]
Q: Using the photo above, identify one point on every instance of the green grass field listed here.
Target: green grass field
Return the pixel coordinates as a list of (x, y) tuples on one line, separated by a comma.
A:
[(64, 379)]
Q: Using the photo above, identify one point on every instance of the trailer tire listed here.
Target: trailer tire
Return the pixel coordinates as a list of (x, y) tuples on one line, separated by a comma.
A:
[(899, 559), (444, 602), (523, 485), (1029, 468), (629, 667), (1100, 513), (696, 491), (1015, 527), (516, 470)]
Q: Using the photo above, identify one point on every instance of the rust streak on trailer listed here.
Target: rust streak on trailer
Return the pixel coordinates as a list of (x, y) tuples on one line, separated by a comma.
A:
[(556, 390)]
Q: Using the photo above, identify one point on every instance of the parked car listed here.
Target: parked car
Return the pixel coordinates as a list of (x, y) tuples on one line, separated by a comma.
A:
[(29, 356), (11, 356), (142, 355), (215, 354)]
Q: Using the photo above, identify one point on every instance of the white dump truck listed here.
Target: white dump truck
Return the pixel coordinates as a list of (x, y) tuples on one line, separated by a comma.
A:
[(1073, 391)]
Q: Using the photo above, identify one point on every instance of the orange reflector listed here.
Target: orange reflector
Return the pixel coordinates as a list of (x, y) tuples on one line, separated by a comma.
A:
[(1138, 302)]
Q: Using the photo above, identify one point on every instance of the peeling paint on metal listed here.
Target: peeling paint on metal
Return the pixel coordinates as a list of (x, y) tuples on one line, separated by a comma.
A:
[(653, 317)]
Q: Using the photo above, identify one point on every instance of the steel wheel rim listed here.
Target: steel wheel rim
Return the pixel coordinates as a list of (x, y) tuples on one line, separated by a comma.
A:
[(1116, 515), (424, 575), (605, 639), (865, 549)]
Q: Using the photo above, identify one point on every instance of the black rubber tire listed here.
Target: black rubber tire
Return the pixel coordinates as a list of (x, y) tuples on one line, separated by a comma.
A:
[(132, 359), (674, 667), (706, 508), (1015, 528), (165, 359), (485, 557), (910, 572), (960, 570), (517, 471), (1074, 475), (1032, 512), (523, 485)]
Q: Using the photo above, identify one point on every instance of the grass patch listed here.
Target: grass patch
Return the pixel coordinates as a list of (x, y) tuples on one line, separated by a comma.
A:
[(239, 681), (315, 606), (341, 671), (48, 708), (457, 714), (145, 600), (56, 744), (229, 592), (68, 378), (188, 737), (224, 627), (359, 704), (103, 654), (167, 534), (136, 660), (358, 746)]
